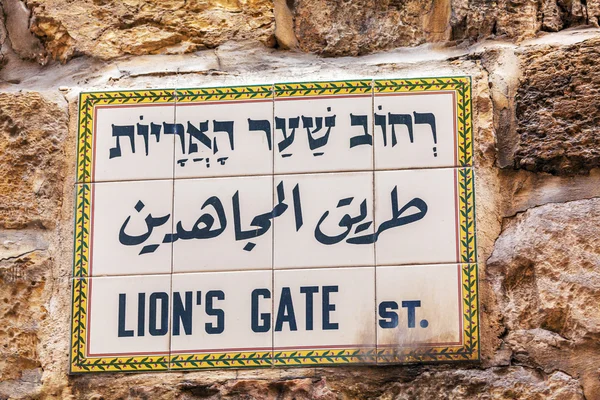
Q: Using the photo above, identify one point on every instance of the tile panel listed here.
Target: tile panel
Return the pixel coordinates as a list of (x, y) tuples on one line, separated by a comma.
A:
[(295, 224)]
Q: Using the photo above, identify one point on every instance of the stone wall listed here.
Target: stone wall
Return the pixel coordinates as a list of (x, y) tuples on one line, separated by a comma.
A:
[(536, 75)]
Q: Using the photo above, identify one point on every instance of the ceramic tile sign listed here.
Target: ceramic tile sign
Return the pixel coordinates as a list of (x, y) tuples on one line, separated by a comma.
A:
[(265, 226)]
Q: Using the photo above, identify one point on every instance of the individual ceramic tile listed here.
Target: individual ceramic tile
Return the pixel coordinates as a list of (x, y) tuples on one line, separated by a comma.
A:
[(225, 138), (324, 316), (128, 316), (223, 224), (426, 313), (323, 126), (422, 123), (130, 225), (416, 216), (222, 320), (129, 139), (324, 220), (419, 304)]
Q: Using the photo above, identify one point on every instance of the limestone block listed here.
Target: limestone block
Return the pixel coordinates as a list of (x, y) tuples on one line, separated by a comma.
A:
[(32, 132), (108, 29), (336, 28), (546, 271), (557, 109), (22, 311), (341, 383)]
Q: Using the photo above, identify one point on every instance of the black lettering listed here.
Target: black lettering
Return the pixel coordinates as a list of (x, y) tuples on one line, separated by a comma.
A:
[(285, 312), (327, 307), (122, 306), (257, 318), (309, 291), (211, 328), (182, 315), (389, 318), (164, 314)]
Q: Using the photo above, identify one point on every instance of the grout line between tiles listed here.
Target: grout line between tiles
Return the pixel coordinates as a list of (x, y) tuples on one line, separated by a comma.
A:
[(279, 269), (279, 174), (273, 230), (374, 221), (172, 230), (173, 163)]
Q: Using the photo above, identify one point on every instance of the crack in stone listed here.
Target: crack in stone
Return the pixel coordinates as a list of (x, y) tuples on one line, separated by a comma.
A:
[(541, 205), (20, 255)]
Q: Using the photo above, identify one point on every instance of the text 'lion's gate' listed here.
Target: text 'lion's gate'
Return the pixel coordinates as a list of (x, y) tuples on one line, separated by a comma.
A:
[(295, 224)]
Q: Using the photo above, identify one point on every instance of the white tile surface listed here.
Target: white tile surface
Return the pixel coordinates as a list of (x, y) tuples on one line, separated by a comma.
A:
[(437, 315), (347, 295), (223, 321), (402, 113), (206, 224), (144, 326), (332, 147), (425, 230), (209, 150), (138, 213), (327, 205), (135, 123)]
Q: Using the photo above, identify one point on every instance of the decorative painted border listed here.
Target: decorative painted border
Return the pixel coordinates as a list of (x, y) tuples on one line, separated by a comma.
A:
[(338, 88), (81, 244), (224, 93), (466, 215), (80, 363), (469, 351), (295, 358), (243, 359)]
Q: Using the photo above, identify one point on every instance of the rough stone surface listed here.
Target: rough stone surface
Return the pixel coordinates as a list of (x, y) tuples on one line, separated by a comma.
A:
[(557, 109), (22, 42), (335, 28), (22, 310), (284, 25), (546, 270), (358, 27), (520, 19), (108, 29), (342, 383), (32, 130)]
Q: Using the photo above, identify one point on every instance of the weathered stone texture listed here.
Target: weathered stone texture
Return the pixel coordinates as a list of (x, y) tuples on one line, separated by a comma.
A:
[(17, 36), (518, 19), (593, 12), (477, 19), (32, 132), (546, 271), (557, 109), (22, 310), (342, 383), (337, 28), (108, 29), (358, 27)]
